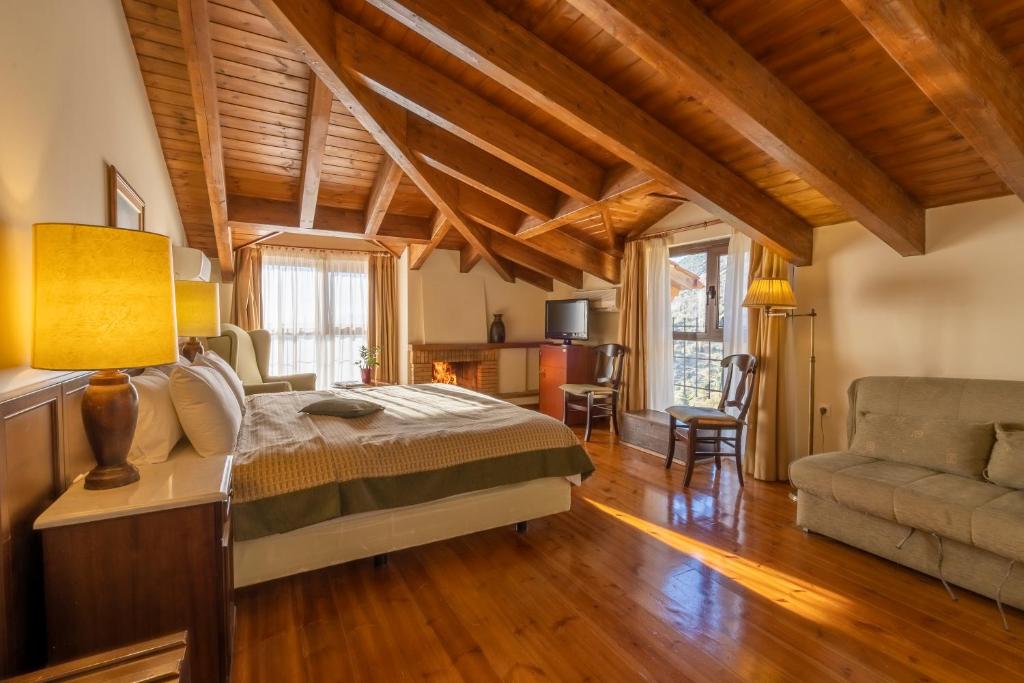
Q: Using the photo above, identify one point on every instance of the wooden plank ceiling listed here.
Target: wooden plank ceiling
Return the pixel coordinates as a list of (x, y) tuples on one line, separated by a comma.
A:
[(538, 135)]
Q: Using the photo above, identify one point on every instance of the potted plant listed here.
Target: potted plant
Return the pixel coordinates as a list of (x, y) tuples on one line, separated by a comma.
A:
[(367, 362)]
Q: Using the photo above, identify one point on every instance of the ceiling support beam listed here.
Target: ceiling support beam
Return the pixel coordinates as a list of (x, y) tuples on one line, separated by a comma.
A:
[(381, 194), (493, 43), (528, 275), (418, 253), (525, 255), (195, 37), (270, 214), (469, 257), (954, 61), (413, 85), (623, 180), (308, 26), (464, 161), (314, 143), (682, 42)]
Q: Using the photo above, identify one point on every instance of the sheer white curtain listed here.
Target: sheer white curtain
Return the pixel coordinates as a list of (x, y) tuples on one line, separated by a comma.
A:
[(659, 324), (315, 305), (736, 333)]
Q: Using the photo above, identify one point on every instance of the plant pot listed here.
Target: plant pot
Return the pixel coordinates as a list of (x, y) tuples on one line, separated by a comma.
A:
[(496, 335), (367, 375)]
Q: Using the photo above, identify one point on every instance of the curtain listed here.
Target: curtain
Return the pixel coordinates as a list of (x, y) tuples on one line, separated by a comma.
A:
[(315, 305), (383, 324), (736, 333), (766, 457), (246, 304), (658, 322), (633, 329)]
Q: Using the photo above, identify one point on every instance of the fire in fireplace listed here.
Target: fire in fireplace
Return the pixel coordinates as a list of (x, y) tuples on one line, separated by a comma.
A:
[(462, 373)]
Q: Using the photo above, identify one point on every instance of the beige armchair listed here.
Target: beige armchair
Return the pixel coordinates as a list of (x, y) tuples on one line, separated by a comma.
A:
[(249, 354)]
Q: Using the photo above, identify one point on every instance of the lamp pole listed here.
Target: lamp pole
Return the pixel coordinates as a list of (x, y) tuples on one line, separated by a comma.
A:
[(813, 315)]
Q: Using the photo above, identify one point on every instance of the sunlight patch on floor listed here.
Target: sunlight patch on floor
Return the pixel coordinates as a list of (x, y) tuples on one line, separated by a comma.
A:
[(798, 596)]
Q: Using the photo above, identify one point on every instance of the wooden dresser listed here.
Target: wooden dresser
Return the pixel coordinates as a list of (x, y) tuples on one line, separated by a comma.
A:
[(560, 364), (161, 660), (132, 563)]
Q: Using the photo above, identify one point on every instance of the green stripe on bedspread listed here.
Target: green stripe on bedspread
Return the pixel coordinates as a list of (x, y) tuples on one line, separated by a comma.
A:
[(289, 511)]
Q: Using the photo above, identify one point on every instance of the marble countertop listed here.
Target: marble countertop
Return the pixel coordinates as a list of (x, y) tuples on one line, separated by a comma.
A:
[(185, 479)]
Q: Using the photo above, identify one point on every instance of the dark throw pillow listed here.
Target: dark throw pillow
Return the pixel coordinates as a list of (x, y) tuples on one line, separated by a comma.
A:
[(342, 407)]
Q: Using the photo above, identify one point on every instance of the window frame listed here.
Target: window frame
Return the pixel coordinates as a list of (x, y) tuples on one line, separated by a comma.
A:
[(715, 250)]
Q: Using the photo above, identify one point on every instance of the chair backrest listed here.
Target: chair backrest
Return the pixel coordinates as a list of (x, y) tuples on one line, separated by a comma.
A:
[(236, 347), (608, 365), (738, 383)]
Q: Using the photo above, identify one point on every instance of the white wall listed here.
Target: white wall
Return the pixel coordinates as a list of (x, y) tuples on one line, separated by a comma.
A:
[(74, 101), (954, 312)]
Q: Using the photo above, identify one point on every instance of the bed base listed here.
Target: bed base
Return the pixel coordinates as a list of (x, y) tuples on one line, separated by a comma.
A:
[(375, 534)]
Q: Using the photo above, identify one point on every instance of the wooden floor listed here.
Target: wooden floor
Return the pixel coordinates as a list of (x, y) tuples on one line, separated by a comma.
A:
[(640, 581)]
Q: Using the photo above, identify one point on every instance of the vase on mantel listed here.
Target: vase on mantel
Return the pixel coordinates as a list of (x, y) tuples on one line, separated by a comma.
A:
[(497, 332)]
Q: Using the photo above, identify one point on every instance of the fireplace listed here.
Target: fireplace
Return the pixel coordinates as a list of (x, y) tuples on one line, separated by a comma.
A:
[(472, 366)]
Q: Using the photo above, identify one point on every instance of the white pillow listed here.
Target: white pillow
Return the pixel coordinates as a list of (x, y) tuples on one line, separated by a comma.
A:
[(157, 430), (167, 369), (207, 409), (212, 360)]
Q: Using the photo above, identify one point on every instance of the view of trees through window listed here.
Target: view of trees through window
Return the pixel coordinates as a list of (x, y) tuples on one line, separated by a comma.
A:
[(698, 275)]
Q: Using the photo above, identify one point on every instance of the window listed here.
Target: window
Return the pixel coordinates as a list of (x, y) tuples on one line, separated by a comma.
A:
[(698, 276), (315, 305)]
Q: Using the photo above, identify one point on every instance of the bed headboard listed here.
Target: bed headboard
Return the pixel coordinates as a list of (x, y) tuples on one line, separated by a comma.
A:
[(43, 447)]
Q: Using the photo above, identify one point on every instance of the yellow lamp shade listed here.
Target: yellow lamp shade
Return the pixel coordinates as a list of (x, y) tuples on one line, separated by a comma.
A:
[(198, 306), (104, 298), (770, 292)]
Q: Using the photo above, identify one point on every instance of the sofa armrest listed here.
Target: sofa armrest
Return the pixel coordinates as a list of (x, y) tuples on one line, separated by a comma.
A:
[(267, 388), (305, 381)]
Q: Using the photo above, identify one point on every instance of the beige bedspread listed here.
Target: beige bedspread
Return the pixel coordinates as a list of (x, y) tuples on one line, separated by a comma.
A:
[(430, 441)]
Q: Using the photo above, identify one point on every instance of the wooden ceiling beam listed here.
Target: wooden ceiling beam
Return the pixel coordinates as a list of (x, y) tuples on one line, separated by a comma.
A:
[(523, 254), (419, 253), (468, 258), (619, 181), (314, 143), (684, 44), (505, 51), (956, 64), (195, 38), (309, 26), (270, 214), (381, 194), (532, 277), (418, 88), (468, 163)]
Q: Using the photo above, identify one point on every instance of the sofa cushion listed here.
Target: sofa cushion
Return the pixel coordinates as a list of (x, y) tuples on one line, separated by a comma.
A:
[(998, 526), (943, 503), (870, 487), (938, 443), (1006, 466), (814, 473)]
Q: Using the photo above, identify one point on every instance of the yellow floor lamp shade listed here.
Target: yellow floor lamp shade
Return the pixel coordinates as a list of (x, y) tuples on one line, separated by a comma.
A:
[(104, 300)]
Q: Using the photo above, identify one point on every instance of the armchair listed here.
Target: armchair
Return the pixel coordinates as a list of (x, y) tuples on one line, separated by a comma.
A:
[(249, 354)]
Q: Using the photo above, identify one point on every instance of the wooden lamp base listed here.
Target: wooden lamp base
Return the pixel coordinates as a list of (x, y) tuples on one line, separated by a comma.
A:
[(192, 348), (110, 408)]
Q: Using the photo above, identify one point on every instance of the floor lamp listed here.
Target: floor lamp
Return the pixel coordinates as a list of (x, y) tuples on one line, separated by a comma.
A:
[(775, 296)]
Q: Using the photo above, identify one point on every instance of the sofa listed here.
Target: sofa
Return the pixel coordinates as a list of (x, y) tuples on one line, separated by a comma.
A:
[(249, 354), (933, 479)]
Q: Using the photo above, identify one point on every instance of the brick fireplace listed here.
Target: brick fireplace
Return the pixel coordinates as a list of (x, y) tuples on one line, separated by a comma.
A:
[(474, 366)]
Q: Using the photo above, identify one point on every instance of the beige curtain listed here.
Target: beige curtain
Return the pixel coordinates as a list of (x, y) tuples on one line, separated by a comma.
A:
[(766, 456), (383, 327), (246, 307), (633, 328)]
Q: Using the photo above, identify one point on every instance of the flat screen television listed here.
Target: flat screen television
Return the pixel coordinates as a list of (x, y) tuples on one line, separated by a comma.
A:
[(566, 319)]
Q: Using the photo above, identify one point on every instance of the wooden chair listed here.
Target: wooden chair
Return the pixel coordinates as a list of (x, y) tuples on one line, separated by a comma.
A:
[(600, 399), (707, 430)]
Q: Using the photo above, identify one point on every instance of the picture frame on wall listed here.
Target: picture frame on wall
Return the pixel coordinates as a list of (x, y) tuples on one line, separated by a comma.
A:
[(125, 207)]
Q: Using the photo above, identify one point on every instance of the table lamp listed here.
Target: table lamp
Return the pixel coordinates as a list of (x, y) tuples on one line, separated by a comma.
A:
[(104, 300), (775, 296), (197, 306)]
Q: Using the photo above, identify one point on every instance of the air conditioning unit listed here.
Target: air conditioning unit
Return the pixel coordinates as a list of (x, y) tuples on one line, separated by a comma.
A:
[(601, 300), (190, 264)]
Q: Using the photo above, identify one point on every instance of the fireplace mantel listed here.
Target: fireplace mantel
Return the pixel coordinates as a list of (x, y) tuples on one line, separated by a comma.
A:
[(480, 346)]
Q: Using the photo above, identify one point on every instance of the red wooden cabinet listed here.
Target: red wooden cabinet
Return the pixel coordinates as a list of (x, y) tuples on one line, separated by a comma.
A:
[(560, 365)]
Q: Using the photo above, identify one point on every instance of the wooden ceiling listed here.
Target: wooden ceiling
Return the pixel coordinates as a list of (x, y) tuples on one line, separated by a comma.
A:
[(538, 135)]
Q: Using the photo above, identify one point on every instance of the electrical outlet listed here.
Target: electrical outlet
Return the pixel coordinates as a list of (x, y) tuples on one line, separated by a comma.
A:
[(824, 409)]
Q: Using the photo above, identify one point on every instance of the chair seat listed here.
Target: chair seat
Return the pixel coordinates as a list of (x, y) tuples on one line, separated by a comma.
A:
[(708, 416), (584, 389)]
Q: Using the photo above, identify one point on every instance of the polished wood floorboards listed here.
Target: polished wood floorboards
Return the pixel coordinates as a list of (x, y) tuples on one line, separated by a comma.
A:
[(639, 581)]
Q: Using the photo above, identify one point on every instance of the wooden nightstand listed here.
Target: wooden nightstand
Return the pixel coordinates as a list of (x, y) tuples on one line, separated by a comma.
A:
[(136, 562)]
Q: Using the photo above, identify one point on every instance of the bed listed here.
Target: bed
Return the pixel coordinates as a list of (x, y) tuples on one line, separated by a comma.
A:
[(439, 461)]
